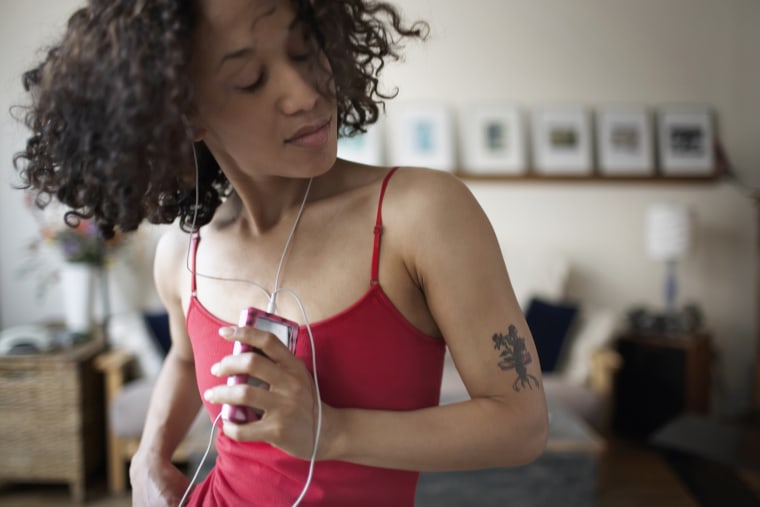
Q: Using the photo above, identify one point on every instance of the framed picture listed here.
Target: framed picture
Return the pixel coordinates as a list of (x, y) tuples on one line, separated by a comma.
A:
[(422, 135), (686, 141), (625, 141), (562, 142), (493, 140), (364, 148)]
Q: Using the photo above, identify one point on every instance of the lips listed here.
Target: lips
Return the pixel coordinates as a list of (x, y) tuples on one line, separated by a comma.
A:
[(314, 134)]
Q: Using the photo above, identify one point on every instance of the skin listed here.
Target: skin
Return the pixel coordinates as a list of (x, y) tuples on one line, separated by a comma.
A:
[(460, 291)]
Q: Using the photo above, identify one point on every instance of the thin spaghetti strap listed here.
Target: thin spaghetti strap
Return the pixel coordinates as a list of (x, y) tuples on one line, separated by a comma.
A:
[(379, 229), (193, 255)]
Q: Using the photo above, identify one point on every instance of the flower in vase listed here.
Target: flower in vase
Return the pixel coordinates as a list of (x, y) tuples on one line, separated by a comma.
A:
[(82, 243), (64, 239)]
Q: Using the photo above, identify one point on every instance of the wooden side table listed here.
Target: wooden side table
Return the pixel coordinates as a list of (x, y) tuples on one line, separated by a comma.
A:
[(52, 418), (661, 378)]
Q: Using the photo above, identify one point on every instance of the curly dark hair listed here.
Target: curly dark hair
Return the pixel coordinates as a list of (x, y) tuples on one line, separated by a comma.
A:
[(109, 135)]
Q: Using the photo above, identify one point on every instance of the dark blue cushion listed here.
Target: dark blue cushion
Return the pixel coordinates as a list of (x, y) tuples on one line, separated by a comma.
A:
[(158, 323), (550, 324)]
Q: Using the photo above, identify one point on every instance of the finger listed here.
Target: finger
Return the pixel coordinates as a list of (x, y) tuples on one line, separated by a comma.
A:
[(255, 365), (241, 395), (279, 379), (267, 343), (242, 363), (266, 429)]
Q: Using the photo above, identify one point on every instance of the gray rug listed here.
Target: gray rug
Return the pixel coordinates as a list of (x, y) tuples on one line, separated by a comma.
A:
[(564, 479)]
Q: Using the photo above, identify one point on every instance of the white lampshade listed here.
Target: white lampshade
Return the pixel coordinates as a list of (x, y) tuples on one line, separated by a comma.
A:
[(668, 231)]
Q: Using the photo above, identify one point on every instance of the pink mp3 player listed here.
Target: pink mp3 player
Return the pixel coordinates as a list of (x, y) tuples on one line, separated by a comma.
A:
[(285, 330)]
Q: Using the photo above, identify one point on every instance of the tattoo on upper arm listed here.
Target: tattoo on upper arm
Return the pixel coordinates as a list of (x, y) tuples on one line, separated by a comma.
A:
[(514, 355)]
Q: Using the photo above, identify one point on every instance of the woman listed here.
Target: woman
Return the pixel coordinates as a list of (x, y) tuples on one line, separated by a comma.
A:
[(383, 268)]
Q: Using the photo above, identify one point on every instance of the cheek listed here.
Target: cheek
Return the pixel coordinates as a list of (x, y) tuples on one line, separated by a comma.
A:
[(247, 140), (250, 139), (255, 138), (237, 121), (210, 105), (321, 76)]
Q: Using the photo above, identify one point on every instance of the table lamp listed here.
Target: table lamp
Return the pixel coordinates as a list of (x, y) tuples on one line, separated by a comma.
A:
[(668, 238)]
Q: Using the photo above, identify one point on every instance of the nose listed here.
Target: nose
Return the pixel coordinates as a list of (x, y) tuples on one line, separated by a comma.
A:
[(298, 92)]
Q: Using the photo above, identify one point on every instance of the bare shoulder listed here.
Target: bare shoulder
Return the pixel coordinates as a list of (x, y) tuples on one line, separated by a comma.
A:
[(432, 218), (435, 198), (172, 245), (170, 260), (428, 182)]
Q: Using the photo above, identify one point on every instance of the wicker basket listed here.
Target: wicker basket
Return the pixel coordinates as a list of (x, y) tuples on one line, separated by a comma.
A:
[(51, 414)]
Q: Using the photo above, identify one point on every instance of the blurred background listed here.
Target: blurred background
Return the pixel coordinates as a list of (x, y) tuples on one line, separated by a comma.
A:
[(587, 52), (532, 54)]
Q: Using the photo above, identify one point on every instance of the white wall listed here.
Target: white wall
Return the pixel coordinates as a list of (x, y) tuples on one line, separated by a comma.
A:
[(534, 52), (25, 27)]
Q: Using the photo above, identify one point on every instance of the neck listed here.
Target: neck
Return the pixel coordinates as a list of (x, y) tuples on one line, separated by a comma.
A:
[(261, 205)]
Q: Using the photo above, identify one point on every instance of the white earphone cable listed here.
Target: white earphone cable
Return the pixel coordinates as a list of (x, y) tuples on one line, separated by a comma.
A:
[(318, 429), (318, 426), (270, 296), (203, 459), (270, 309), (286, 248)]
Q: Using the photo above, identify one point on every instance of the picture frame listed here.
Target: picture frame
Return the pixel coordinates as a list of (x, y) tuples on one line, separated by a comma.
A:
[(625, 141), (422, 135), (562, 141), (686, 136), (366, 148), (493, 140)]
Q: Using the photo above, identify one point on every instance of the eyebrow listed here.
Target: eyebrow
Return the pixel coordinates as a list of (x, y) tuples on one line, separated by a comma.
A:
[(236, 55), (250, 50)]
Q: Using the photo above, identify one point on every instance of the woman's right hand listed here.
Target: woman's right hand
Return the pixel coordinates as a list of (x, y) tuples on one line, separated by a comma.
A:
[(156, 482)]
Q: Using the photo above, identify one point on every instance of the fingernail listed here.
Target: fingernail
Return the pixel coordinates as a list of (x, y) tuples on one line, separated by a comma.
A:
[(207, 395), (215, 369), (226, 332)]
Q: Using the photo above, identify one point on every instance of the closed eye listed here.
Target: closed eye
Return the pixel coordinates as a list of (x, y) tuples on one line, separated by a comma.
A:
[(253, 86), (301, 57)]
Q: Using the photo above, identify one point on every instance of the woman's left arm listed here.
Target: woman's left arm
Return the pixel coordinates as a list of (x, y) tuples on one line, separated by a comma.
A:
[(457, 263)]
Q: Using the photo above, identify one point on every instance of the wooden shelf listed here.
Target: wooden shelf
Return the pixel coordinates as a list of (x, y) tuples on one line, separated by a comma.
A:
[(532, 177)]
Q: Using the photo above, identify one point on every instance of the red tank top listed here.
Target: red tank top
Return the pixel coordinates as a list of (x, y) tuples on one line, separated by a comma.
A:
[(368, 356)]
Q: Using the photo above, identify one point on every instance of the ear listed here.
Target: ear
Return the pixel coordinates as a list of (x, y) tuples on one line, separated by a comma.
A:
[(195, 126)]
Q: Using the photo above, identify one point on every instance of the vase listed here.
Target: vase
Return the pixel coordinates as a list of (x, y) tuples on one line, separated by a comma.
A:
[(78, 282)]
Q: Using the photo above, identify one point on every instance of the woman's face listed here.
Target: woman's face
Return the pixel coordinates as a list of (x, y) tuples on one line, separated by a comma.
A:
[(257, 77)]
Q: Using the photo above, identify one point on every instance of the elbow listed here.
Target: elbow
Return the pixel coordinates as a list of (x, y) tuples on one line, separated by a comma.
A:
[(536, 439), (532, 434)]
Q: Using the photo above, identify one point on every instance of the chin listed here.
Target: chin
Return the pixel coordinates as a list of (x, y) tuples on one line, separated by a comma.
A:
[(325, 160), (315, 165), (325, 165), (313, 161)]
